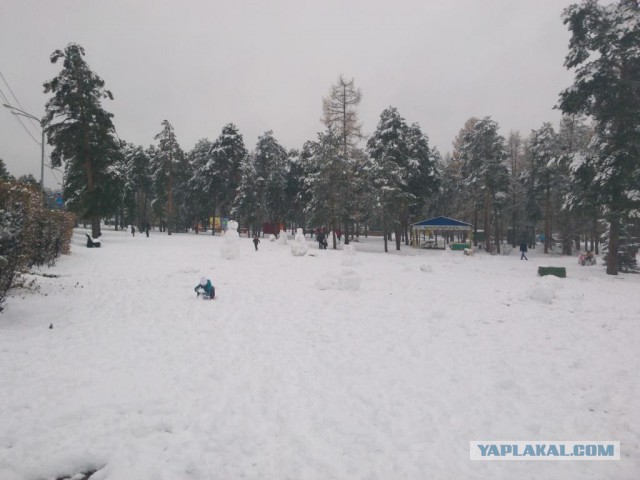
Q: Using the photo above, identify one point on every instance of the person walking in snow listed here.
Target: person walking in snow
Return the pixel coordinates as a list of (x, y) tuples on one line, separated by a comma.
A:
[(523, 249), (321, 241), (205, 288), (256, 241), (133, 231)]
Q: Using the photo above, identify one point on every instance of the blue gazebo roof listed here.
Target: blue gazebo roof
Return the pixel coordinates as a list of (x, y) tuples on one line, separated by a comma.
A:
[(444, 223)]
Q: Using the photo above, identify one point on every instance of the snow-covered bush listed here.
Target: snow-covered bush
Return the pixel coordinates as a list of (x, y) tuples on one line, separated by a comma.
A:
[(29, 234)]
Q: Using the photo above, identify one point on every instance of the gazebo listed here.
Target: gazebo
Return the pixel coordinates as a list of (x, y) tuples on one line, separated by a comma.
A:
[(424, 234)]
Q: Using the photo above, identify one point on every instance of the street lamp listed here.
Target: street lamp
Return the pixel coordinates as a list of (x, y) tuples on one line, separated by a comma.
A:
[(17, 111)]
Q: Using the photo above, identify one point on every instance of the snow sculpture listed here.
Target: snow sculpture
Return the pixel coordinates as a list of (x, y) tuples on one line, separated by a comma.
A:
[(544, 289), (349, 258), (299, 246), (327, 282), (272, 238), (282, 238), (349, 280), (231, 241)]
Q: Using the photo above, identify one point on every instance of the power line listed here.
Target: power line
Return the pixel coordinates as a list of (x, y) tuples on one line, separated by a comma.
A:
[(18, 118), (16, 98)]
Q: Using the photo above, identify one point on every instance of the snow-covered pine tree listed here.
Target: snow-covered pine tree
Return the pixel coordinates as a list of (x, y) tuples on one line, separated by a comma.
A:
[(482, 152), (390, 150), (543, 154), (201, 185), (223, 169), (139, 174), (81, 133), (578, 213), (604, 52), (165, 167), (325, 181), (246, 207), (423, 181), (270, 160)]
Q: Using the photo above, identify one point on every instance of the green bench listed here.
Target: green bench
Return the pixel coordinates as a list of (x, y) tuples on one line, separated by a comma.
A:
[(460, 246), (556, 271)]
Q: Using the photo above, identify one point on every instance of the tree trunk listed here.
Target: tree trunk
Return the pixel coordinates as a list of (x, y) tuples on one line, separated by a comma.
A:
[(612, 255), (475, 226), (497, 232), (547, 220), (487, 224), (95, 226)]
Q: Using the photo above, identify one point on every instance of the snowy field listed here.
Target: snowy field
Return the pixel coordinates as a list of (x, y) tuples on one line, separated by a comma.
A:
[(281, 379)]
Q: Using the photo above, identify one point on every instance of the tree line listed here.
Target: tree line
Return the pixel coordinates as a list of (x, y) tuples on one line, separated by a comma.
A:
[(579, 182)]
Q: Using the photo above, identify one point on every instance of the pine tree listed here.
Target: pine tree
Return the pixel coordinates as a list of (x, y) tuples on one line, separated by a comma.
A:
[(245, 206), (201, 185), (423, 176), (81, 133), (579, 212), (604, 51), (223, 168), (138, 172), (325, 181), (270, 160), (543, 152), (390, 150), (166, 162), (4, 173), (482, 153)]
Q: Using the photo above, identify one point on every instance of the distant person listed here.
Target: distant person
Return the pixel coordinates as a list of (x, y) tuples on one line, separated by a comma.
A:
[(523, 249), (321, 240), (133, 231), (205, 288), (147, 227), (256, 241)]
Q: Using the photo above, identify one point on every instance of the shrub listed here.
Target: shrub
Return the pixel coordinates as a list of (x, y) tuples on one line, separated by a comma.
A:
[(29, 234)]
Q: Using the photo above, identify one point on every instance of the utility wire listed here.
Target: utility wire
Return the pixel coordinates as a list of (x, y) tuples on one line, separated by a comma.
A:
[(16, 99), (18, 118)]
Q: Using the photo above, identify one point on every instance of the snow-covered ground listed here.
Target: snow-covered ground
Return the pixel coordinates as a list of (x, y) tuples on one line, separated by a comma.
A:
[(285, 375)]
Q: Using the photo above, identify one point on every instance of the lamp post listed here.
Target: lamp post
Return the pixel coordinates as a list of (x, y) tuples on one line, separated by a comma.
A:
[(17, 111)]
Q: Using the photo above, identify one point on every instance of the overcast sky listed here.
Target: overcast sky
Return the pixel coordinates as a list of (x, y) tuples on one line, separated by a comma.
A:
[(265, 65)]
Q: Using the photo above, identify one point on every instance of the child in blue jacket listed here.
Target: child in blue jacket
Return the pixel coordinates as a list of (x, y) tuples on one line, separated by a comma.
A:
[(205, 288)]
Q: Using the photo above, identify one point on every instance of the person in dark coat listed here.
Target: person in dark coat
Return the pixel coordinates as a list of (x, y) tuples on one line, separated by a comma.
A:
[(205, 288), (256, 241), (523, 249), (133, 231), (321, 240)]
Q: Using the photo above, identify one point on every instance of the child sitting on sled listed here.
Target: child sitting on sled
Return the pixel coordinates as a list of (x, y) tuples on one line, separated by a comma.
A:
[(205, 288)]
